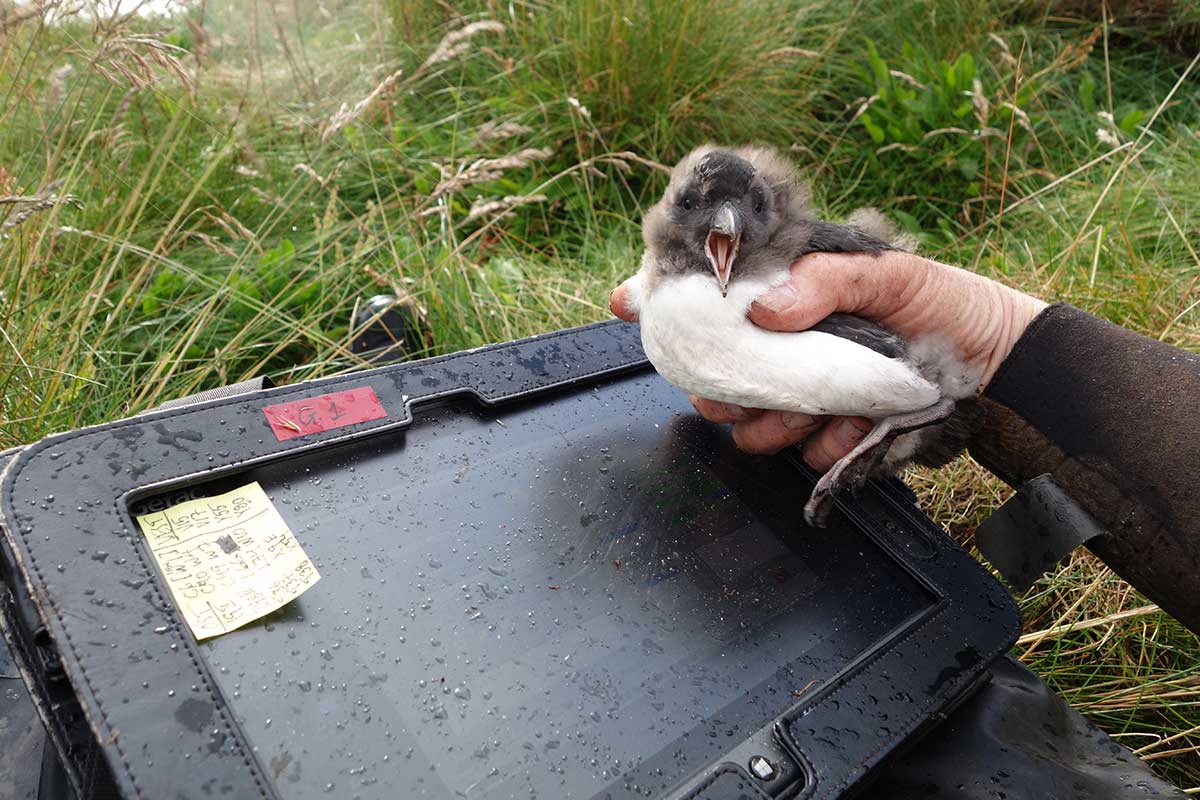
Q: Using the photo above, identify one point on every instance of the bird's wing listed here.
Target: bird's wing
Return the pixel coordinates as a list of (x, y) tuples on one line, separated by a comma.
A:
[(703, 343), (864, 332)]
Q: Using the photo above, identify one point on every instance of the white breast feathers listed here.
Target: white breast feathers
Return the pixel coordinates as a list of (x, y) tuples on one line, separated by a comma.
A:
[(702, 343)]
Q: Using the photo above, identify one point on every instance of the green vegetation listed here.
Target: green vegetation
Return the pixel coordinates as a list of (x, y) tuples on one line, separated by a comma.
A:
[(190, 200)]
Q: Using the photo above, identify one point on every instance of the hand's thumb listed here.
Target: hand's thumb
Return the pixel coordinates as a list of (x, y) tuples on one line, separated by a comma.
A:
[(822, 283), (810, 294)]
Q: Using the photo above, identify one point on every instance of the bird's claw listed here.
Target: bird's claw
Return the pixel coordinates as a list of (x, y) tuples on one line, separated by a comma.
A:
[(853, 469), (816, 510)]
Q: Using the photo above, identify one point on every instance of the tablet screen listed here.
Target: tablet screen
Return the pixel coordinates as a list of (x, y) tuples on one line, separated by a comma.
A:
[(578, 592)]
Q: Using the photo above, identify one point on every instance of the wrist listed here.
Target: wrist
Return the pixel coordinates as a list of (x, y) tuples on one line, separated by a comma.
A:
[(1016, 311)]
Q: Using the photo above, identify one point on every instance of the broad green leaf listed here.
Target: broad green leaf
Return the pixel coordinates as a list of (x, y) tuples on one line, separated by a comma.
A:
[(882, 78), (876, 132), (1087, 92), (1130, 121), (908, 221), (964, 70)]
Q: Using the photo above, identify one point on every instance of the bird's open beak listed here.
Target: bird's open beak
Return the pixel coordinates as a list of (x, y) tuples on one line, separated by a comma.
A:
[(722, 243)]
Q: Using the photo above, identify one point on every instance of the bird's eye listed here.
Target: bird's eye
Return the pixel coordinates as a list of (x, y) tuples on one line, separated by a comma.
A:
[(760, 204), (687, 202)]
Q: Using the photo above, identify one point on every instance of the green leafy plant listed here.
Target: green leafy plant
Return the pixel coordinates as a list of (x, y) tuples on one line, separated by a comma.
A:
[(936, 117)]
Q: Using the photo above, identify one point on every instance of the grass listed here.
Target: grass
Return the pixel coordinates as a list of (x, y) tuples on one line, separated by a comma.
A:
[(206, 195)]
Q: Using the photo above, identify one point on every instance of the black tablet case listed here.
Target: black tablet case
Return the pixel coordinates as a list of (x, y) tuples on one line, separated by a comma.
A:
[(542, 575)]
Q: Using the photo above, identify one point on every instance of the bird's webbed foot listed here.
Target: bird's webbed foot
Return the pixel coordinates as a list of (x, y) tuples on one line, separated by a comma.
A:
[(853, 469)]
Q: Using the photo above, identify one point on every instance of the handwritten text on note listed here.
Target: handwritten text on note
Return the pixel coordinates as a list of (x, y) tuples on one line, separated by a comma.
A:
[(228, 560)]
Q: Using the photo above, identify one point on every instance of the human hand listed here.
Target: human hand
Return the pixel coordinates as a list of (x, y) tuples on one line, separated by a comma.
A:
[(906, 293)]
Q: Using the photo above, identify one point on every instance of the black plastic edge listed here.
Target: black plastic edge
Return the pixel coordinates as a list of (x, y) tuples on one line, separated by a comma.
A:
[(598, 351)]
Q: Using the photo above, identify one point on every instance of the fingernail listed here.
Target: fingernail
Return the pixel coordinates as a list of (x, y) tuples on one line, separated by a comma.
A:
[(850, 430), (737, 412), (794, 421), (778, 299)]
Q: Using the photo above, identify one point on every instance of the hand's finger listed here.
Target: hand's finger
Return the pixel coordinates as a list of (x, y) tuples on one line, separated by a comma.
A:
[(716, 411), (835, 440), (773, 431), (619, 302), (822, 283)]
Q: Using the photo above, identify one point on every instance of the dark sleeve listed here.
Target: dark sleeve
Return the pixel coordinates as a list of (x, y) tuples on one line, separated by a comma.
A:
[(1115, 418)]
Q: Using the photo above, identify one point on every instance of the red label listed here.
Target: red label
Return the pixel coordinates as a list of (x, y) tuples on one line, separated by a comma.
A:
[(323, 413)]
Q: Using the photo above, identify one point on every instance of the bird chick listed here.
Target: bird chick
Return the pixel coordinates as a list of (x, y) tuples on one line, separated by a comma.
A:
[(727, 229)]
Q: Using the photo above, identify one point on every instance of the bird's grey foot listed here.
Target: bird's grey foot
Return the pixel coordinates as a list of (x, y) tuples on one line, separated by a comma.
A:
[(853, 469)]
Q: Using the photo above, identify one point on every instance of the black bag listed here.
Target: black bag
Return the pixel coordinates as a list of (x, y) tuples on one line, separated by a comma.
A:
[(541, 575)]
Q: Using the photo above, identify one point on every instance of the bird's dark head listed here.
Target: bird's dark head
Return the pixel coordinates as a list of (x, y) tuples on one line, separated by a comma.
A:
[(724, 206)]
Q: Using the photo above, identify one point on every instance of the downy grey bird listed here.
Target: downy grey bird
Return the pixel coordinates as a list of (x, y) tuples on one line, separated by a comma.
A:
[(728, 228)]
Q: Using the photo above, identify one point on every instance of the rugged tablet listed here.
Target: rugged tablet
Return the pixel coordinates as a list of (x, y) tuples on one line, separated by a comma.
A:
[(541, 576)]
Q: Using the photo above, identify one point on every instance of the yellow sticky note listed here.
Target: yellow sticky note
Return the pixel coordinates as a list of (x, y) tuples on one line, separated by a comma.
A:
[(228, 559)]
